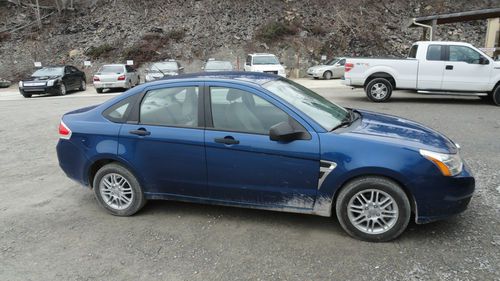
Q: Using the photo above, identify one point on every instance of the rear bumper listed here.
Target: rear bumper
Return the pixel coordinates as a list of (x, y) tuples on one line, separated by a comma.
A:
[(449, 197), (72, 161), (110, 85)]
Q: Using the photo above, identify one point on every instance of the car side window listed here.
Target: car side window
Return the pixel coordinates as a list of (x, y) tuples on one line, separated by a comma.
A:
[(464, 54), (249, 60), (342, 62), (118, 112), (413, 52), (129, 69), (176, 106), (434, 52), (242, 111), (67, 70)]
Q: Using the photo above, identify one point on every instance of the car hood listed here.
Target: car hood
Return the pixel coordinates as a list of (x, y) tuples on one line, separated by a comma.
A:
[(42, 78), (320, 67), (403, 131), (267, 67)]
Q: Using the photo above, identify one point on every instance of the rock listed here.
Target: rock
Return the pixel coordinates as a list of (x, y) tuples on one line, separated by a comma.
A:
[(74, 53)]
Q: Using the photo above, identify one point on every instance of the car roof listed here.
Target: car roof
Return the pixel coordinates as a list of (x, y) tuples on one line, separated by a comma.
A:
[(261, 54), (116, 64), (257, 78)]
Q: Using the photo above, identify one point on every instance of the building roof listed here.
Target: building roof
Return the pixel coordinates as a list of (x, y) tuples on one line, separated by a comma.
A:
[(459, 17)]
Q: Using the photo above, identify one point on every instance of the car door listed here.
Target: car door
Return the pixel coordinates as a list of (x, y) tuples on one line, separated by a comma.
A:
[(464, 71), (163, 139), (338, 70), (244, 165), (69, 78), (431, 69)]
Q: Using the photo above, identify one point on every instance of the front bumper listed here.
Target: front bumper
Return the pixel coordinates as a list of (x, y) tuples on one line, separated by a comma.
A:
[(39, 90), (448, 197), (315, 74), (111, 85)]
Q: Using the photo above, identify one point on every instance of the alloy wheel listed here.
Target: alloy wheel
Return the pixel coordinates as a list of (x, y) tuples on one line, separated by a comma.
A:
[(116, 191)]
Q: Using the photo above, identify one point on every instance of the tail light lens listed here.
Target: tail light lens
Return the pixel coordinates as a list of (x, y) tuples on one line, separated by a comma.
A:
[(64, 131), (121, 77), (348, 66), (96, 78)]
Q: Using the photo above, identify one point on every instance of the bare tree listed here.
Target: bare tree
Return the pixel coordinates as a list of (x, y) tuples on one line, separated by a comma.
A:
[(37, 13)]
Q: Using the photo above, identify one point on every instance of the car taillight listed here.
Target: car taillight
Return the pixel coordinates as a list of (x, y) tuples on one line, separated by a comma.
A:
[(64, 131), (348, 66), (121, 77), (96, 78)]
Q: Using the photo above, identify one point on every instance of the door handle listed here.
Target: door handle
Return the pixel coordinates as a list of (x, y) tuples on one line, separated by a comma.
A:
[(449, 67), (227, 140), (140, 132)]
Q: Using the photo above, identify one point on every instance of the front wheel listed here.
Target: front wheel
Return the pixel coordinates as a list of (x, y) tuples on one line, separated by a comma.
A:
[(373, 209), (495, 95), (327, 75), (118, 191), (62, 89), (378, 90)]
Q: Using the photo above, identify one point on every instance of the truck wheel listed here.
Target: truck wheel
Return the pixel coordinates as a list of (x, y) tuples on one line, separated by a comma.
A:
[(496, 95), (378, 90)]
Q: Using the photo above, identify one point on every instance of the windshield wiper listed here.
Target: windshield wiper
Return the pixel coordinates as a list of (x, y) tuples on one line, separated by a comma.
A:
[(348, 120)]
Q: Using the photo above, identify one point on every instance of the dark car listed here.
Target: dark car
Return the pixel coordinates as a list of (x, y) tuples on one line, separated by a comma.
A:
[(258, 140), (56, 80)]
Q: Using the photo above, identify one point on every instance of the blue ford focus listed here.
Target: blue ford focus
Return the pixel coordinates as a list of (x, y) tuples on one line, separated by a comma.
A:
[(261, 141)]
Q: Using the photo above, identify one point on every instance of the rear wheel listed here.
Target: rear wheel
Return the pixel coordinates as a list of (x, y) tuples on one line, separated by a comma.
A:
[(118, 191), (327, 75), (98, 90), (379, 90), (495, 95), (62, 89), (373, 209), (83, 85)]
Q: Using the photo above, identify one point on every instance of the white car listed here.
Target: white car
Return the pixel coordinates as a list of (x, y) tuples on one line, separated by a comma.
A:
[(267, 63), (432, 67), (334, 68), (111, 76)]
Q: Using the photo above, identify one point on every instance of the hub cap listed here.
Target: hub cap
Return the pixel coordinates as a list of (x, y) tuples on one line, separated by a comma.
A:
[(116, 191), (372, 211), (378, 91), (63, 89)]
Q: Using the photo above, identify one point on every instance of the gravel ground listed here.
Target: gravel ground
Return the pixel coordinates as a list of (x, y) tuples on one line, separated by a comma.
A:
[(52, 229)]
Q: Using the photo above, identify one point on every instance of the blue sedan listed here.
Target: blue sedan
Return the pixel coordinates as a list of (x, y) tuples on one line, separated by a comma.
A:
[(258, 140)]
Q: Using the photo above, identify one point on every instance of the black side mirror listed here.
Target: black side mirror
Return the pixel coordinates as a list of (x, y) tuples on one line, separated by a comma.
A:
[(285, 132), (483, 60)]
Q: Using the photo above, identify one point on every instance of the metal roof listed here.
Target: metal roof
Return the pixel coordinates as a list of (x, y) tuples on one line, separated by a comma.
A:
[(459, 17)]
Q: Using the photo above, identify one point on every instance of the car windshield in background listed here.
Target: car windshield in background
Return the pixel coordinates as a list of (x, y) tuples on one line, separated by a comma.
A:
[(112, 69), (332, 62), (164, 66), (48, 71), (324, 112), (218, 65), (265, 60)]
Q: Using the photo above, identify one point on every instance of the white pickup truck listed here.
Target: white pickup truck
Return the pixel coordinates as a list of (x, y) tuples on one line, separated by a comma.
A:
[(432, 67)]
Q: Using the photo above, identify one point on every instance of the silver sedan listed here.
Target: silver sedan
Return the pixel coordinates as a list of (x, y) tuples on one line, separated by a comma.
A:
[(332, 69)]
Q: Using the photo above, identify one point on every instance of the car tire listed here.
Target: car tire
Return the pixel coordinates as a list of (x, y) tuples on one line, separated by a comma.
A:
[(83, 85), (316, 78), (62, 89), (378, 90), (118, 191), (98, 90), (327, 75), (495, 96), (364, 218), (25, 95)]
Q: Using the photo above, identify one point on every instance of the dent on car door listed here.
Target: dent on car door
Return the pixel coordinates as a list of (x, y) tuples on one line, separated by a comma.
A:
[(244, 166), (164, 141)]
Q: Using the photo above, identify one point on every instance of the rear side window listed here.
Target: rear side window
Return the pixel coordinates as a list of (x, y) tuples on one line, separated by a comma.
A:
[(118, 113), (434, 52), (177, 107), (413, 52), (249, 60)]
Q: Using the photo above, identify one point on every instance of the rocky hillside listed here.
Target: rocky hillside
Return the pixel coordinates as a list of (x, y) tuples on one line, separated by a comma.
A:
[(299, 32)]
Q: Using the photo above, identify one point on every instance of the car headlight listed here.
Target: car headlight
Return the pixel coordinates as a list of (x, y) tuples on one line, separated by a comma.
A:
[(449, 164), (51, 82), (21, 84)]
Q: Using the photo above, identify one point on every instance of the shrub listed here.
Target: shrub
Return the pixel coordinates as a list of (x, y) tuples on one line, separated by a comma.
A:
[(97, 52), (147, 49), (318, 30), (276, 31), (176, 34)]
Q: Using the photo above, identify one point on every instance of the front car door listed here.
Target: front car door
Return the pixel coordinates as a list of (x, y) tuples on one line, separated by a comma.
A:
[(243, 165), (464, 71), (163, 139)]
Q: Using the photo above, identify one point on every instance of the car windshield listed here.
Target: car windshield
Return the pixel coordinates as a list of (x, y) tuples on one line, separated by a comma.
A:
[(265, 60), (214, 65), (318, 108), (48, 71), (332, 62), (164, 66), (112, 69)]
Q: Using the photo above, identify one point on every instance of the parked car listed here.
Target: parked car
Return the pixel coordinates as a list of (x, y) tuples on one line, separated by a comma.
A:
[(432, 67), (267, 63), (112, 76), (56, 80), (161, 69), (261, 141), (334, 68), (213, 65)]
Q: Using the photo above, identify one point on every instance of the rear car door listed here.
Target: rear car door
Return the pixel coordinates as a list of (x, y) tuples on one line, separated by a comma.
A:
[(431, 68), (244, 165), (69, 78), (163, 140), (464, 72)]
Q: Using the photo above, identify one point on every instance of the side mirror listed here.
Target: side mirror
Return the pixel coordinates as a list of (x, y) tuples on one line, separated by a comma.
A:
[(202, 68), (483, 60), (285, 132)]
